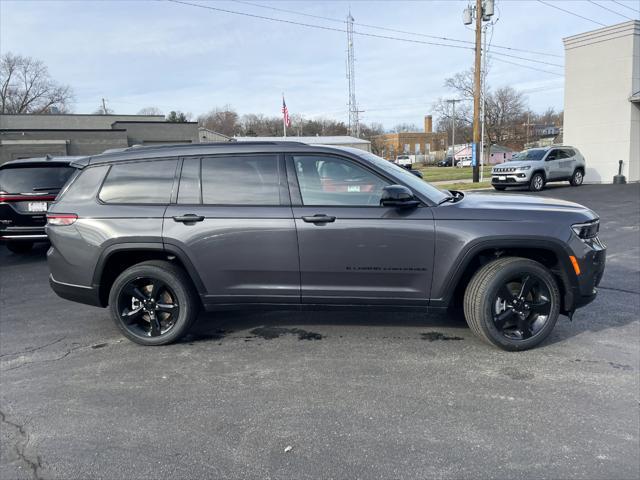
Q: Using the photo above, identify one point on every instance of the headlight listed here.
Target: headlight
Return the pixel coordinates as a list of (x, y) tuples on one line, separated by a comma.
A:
[(526, 167), (586, 230)]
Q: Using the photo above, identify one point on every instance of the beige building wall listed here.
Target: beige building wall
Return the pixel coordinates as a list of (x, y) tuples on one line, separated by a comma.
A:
[(601, 113)]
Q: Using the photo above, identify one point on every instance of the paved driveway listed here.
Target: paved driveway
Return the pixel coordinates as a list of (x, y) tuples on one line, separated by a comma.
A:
[(355, 395)]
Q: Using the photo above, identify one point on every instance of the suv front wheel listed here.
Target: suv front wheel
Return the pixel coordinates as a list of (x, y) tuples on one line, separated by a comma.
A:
[(153, 303), (536, 183), (512, 303)]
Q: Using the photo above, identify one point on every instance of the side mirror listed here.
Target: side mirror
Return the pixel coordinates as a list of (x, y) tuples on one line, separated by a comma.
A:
[(417, 173), (398, 196)]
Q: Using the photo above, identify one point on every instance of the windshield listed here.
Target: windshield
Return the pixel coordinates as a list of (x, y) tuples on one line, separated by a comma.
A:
[(434, 194), (28, 179), (532, 154)]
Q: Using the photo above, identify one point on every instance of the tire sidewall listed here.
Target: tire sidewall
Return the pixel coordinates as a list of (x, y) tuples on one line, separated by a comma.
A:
[(188, 309), (487, 325)]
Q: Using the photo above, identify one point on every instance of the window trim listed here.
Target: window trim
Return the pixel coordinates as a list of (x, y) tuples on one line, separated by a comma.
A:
[(294, 184), (139, 160)]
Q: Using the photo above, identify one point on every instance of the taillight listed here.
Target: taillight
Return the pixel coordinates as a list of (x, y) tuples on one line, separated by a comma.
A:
[(5, 197), (61, 218)]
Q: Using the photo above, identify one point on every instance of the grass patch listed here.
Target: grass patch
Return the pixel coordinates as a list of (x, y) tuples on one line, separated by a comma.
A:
[(437, 174), (464, 186)]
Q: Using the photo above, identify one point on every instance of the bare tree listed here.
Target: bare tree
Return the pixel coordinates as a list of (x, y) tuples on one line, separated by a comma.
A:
[(406, 127), (504, 110), (150, 111), (26, 87), (222, 120)]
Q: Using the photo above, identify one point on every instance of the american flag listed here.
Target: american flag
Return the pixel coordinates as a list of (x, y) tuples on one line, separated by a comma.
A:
[(285, 113)]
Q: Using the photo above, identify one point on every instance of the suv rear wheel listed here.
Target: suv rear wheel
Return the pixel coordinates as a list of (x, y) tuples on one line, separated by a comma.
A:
[(536, 183), (577, 178), (512, 303), (153, 303), (20, 247)]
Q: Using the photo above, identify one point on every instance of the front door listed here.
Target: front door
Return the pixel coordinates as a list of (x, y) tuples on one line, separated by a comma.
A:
[(352, 250), (233, 220), (552, 165)]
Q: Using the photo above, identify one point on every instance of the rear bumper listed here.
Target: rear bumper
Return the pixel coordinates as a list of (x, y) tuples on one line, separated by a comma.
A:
[(75, 293), (27, 234)]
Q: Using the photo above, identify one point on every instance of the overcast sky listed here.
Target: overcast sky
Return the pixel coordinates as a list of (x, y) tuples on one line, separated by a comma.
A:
[(180, 57)]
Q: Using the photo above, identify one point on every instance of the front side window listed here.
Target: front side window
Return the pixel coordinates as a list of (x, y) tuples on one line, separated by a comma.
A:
[(139, 182), (241, 180), (326, 180)]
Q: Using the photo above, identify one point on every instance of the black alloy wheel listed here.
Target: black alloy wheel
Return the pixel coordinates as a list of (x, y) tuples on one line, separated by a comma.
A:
[(148, 307), (522, 307)]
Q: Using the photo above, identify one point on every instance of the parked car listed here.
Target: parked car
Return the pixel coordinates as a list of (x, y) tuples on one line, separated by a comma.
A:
[(464, 162), (27, 187), (447, 162), (404, 160), (156, 233), (538, 166)]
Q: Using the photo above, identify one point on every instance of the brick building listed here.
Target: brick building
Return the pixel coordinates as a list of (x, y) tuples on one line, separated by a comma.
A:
[(412, 143)]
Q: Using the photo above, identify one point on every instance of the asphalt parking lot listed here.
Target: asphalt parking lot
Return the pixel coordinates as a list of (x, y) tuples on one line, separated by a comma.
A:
[(355, 395)]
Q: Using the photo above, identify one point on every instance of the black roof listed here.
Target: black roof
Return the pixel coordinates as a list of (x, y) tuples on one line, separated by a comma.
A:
[(194, 149), (48, 160)]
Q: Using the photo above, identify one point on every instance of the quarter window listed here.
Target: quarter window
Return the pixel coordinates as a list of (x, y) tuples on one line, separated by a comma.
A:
[(240, 180), (335, 181), (139, 182)]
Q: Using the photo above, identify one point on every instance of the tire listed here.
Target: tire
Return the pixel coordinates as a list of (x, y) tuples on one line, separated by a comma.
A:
[(577, 178), (174, 291), (20, 247), (500, 189), (484, 308), (536, 184)]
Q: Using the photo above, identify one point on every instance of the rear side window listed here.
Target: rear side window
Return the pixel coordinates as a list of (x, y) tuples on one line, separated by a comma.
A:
[(139, 182), (240, 180), (84, 186), (30, 179)]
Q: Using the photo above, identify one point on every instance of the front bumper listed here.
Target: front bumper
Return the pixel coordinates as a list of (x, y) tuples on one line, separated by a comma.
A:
[(512, 180), (591, 257)]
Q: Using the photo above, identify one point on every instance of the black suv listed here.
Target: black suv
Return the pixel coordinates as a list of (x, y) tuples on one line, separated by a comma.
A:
[(156, 233), (27, 187)]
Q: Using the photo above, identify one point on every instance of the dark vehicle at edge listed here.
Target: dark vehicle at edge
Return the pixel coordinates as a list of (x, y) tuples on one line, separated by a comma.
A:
[(156, 233), (27, 188)]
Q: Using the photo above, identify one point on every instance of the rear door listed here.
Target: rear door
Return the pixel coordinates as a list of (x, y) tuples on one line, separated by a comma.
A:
[(232, 218), (352, 250)]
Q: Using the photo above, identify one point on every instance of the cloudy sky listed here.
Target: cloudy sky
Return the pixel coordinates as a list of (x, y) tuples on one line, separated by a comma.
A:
[(177, 56)]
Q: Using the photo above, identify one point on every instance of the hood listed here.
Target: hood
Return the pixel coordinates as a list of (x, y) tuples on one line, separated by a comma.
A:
[(519, 208), (516, 164)]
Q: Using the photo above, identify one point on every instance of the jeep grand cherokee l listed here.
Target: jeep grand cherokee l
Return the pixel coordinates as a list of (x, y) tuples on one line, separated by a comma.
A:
[(156, 233), (27, 187)]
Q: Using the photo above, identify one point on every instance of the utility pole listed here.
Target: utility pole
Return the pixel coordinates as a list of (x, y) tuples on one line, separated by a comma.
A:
[(354, 121), (453, 101), (104, 107), (483, 11)]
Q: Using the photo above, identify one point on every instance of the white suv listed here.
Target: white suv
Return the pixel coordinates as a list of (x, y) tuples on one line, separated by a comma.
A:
[(537, 166)]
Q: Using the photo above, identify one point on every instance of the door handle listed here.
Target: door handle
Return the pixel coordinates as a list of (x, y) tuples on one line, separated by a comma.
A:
[(188, 218), (319, 218)]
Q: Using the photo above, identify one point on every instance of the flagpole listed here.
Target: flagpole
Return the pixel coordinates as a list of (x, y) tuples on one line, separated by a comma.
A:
[(284, 119)]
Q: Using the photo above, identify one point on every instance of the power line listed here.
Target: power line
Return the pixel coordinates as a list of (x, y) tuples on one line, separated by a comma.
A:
[(570, 12), (610, 10), (333, 29), (527, 66), (320, 27), (406, 32), (627, 6)]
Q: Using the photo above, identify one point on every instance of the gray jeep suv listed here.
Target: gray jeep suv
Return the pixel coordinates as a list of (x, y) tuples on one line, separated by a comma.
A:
[(537, 166), (156, 233)]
